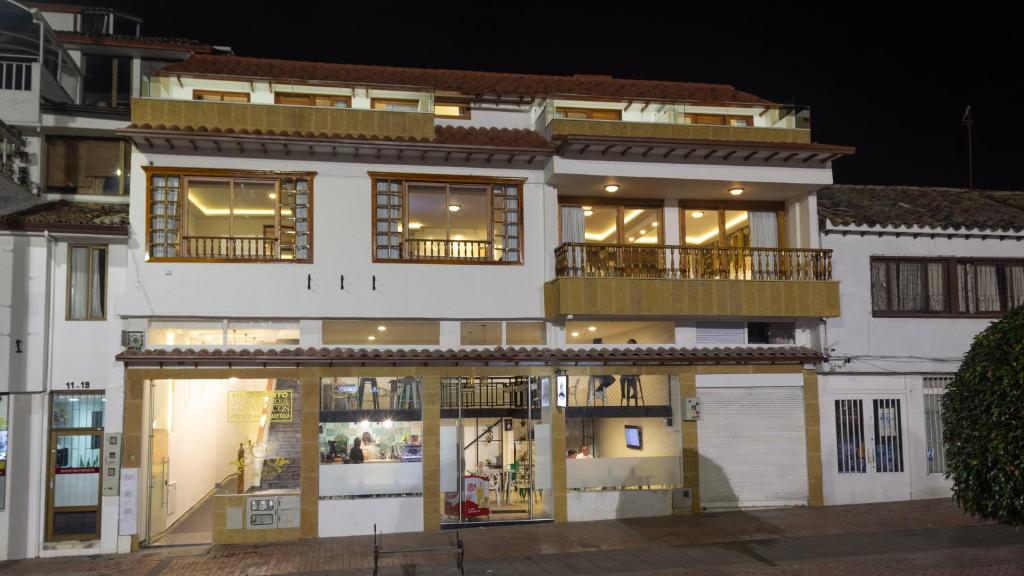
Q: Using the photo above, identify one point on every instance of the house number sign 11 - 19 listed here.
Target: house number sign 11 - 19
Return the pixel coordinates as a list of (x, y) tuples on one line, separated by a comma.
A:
[(84, 385)]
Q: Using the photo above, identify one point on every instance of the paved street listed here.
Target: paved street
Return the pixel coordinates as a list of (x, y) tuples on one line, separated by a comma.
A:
[(923, 537)]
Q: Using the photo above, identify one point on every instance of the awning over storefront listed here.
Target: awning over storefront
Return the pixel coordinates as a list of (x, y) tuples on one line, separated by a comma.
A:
[(499, 356)]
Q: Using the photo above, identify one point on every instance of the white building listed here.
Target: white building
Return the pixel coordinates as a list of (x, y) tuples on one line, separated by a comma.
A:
[(921, 272), (455, 279)]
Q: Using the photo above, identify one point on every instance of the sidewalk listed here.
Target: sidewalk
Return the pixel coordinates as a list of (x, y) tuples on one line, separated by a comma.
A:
[(928, 537)]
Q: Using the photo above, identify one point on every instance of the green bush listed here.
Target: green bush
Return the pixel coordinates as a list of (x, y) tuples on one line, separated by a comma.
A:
[(983, 421)]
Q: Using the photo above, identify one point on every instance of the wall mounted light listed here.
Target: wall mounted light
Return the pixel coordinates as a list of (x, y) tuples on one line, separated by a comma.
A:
[(611, 188)]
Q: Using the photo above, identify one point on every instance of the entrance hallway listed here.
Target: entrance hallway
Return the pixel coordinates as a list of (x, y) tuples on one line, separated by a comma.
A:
[(196, 526), (916, 537)]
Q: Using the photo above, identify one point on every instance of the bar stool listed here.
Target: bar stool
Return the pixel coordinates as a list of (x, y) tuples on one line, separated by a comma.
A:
[(407, 395), (596, 386), (632, 388), (374, 392)]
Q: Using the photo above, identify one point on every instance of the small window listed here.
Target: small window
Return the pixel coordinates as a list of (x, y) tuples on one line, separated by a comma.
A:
[(720, 333), (718, 120), (395, 104), (219, 96), (241, 333), (382, 332), (452, 110), (771, 333), (934, 388), (588, 113), (87, 283), (318, 100), (185, 333), (480, 333)]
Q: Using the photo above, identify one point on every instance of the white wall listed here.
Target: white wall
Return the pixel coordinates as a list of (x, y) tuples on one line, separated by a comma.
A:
[(899, 344), (342, 246), (357, 517)]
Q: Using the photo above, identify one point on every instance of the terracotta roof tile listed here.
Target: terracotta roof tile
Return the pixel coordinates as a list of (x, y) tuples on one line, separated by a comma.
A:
[(461, 81), (73, 216), (551, 356), (160, 43), (912, 206), (447, 135)]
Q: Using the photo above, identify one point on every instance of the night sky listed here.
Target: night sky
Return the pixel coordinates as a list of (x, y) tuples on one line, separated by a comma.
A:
[(894, 84)]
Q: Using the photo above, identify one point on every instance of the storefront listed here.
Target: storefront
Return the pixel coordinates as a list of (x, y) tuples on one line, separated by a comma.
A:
[(285, 447)]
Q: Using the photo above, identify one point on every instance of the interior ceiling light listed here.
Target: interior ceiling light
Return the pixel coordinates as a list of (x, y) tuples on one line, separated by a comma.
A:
[(654, 224), (414, 226), (592, 328), (631, 239), (381, 328), (371, 338), (735, 191), (611, 188), (588, 212), (454, 207), (575, 334), (642, 232), (697, 214), (272, 196)]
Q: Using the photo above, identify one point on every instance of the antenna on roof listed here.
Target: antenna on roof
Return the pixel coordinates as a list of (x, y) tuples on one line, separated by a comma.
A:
[(968, 121)]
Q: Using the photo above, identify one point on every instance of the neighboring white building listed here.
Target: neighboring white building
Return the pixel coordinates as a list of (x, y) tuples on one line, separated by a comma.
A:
[(921, 272), (471, 274)]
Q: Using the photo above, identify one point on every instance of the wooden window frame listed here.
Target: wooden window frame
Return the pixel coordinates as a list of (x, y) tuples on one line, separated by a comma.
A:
[(124, 165), (406, 178), (335, 98), (952, 285), (720, 208), (622, 206), (222, 93), (688, 118), (465, 113), (374, 101), (89, 287), (222, 173), (564, 110)]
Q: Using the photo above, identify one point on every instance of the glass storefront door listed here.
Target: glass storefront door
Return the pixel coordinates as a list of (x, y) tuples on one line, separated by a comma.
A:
[(76, 439), (495, 449)]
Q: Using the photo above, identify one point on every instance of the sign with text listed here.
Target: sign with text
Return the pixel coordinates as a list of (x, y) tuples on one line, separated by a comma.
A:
[(250, 406)]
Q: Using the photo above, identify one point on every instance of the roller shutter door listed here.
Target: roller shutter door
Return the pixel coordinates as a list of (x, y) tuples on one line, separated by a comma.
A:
[(752, 446)]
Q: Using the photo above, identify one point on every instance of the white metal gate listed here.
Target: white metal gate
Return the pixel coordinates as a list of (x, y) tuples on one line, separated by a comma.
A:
[(869, 436), (753, 446)]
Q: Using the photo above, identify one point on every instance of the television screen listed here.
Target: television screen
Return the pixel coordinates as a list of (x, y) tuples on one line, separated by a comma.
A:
[(634, 437)]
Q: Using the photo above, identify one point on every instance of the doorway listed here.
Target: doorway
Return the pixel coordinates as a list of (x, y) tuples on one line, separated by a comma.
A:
[(871, 463), (495, 450), (73, 471)]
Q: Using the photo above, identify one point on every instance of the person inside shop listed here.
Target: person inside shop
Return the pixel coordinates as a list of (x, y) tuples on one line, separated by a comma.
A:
[(631, 341), (367, 439), (570, 455), (355, 455), (584, 452), (414, 440)]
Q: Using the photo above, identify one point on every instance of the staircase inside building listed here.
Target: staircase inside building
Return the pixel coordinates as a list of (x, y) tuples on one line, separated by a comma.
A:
[(284, 440)]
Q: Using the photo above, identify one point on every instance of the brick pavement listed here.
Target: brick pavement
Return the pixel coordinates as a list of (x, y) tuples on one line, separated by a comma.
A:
[(926, 537)]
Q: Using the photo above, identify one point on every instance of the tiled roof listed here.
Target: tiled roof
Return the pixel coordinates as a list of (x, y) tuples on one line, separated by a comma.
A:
[(461, 81), (446, 135), (551, 356), (160, 43), (84, 217), (912, 206)]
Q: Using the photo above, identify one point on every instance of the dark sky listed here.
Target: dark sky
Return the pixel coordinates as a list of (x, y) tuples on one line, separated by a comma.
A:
[(892, 83)]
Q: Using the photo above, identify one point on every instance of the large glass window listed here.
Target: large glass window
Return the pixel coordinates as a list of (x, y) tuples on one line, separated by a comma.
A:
[(318, 100), (220, 96), (234, 218), (87, 165), (381, 332), (945, 286), (432, 220), (619, 332), (108, 80), (87, 283), (610, 223)]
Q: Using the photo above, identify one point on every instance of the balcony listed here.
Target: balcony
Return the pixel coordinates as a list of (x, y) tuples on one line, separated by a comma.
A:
[(280, 119), (661, 280)]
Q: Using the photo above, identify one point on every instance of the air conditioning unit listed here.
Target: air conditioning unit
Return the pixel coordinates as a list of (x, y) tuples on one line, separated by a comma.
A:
[(133, 341)]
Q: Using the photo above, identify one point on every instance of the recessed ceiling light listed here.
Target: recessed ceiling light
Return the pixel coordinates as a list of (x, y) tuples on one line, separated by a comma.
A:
[(642, 232), (371, 338), (697, 214), (611, 188), (454, 207), (381, 328), (631, 239), (588, 212), (414, 226), (654, 224), (575, 334), (736, 191), (592, 328), (272, 195)]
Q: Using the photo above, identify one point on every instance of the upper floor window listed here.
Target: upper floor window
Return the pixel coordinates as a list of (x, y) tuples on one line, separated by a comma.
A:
[(319, 100), (15, 75), (718, 119), (228, 215), (605, 223), (588, 113), (220, 96), (87, 283), (395, 104), (452, 110), (107, 81), (731, 226), (77, 165), (449, 219), (945, 286)]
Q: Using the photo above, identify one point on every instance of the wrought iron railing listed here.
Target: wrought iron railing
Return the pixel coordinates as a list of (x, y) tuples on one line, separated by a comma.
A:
[(583, 260), (229, 248)]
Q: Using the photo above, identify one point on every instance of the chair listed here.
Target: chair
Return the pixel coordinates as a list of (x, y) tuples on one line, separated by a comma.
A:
[(496, 486)]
